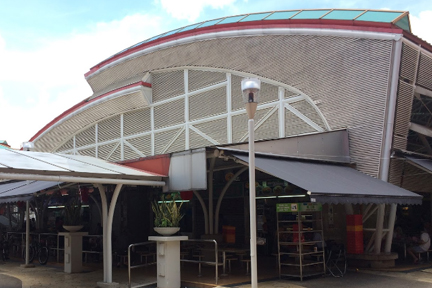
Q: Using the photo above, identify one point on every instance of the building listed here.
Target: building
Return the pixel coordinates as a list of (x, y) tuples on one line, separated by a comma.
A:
[(361, 72)]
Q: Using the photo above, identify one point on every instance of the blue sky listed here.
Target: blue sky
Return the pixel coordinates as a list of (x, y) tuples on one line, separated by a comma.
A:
[(47, 46)]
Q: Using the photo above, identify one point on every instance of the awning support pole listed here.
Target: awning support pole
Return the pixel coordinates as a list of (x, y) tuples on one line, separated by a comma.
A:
[(109, 230), (27, 248), (222, 194), (391, 222), (104, 229), (210, 183), (379, 228), (205, 212)]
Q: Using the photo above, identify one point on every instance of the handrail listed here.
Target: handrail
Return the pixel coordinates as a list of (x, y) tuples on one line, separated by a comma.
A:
[(137, 266), (216, 263)]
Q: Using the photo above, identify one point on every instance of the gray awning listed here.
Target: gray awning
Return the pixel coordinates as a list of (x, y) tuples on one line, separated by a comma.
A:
[(328, 183), (424, 164), (22, 190)]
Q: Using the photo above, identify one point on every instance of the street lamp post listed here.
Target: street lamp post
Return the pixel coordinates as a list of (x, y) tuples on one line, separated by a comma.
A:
[(251, 88)]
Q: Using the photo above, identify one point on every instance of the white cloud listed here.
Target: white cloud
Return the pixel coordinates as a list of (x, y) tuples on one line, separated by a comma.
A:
[(191, 9), (421, 25), (53, 76)]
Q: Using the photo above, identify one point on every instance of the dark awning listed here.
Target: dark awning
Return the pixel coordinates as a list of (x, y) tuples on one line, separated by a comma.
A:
[(23, 190), (424, 164), (329, 183)]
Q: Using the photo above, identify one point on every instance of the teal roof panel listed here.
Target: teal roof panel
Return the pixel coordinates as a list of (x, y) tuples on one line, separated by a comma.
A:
[(255, 17), (282, 15), (404, 23), (209, 23), (310, 14), (379, 16), (343, 14), (190, 27), (232, 19)]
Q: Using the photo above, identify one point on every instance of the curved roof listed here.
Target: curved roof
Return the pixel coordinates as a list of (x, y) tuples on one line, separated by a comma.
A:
[(358, 16)]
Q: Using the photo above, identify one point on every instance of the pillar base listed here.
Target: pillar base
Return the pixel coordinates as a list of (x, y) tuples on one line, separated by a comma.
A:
[(107, 285), (27, 265)]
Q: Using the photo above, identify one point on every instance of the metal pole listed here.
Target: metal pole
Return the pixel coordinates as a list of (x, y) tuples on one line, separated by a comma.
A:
[(391, 222), (27, 248), (252, 204), (379, 228)]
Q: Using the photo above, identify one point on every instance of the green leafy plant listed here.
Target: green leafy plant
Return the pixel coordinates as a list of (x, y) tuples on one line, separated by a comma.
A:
[(72, 212), (167, 211)]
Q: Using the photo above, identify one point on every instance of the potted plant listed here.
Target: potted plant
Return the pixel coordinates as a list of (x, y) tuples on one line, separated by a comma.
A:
[(72, 215), (167, 214)]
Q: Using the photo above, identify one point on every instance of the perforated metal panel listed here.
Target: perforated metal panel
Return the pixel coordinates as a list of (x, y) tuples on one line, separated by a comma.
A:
[(85, 137), (167, 85), (295, 126), (216, 129), (105, 150), (395, 173), (178, 144), (307, 110), (236, 93), (403, 109), (169, 114), (424, 76), (162, 139), (197, 141), (53, 138), (200, 79), (399, 142), (67, 146), (415, 179), (88, 152), (209, 103), (268, 93), (116, 155), (408, 62), (240, 127), (129, 153), (109, 129), (269, 129), (143, 144), (136, 122)]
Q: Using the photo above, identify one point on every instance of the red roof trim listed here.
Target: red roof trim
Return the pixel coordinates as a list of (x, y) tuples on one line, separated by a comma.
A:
[(85, 103), (267, 24)]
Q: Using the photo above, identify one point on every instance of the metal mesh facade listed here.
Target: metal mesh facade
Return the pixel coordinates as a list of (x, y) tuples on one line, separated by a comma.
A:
[(321, 83)]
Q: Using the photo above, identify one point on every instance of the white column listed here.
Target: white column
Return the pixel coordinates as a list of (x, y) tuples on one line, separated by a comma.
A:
[(252, 204), (109, 231), (210, 188), (391, 222), (379, 228), (73, 251), (104, 228)]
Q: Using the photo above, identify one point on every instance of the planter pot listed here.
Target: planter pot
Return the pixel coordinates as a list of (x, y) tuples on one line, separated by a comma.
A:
[(74, 228), (166, 231)]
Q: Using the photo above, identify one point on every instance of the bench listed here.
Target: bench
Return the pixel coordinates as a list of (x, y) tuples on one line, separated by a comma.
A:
[(86, 253), (247, 261)]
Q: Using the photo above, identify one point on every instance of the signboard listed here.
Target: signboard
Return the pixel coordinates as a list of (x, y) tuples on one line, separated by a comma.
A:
[(298, 207)]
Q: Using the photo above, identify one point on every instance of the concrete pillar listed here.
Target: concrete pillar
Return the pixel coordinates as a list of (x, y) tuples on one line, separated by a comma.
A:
[(168, 260), (73, 251)]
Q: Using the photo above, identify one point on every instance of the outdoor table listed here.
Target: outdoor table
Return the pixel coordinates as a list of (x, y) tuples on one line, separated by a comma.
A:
[(239, 251)]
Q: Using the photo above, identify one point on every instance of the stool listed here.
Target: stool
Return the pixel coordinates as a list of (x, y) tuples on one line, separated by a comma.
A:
[(247, 261), (199, 256), (146, 255), (229, 259)]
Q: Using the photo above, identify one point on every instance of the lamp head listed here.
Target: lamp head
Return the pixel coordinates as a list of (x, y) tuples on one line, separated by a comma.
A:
[(250, 88), (27, 146)]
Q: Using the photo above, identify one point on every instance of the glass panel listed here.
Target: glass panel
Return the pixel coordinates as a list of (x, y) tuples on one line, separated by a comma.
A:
[(190, 27), (209, 23), (231, 19), (343, 14), (282, 15), (153, 38), (310, 14), (379, 16), (404, 23), (254, 17), (171, 32)]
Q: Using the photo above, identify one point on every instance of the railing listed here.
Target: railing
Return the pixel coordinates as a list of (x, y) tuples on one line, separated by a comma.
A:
[(200, 262), (132, 247), (57, 248)]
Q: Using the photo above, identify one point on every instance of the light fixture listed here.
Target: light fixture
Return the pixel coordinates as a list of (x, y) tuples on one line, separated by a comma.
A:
[(27, 146), (250, 89)]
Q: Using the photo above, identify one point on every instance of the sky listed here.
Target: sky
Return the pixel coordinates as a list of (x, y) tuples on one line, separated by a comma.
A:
[(47, 46)]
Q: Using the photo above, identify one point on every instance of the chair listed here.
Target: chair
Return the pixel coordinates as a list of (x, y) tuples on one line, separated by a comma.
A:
[(336, 262)]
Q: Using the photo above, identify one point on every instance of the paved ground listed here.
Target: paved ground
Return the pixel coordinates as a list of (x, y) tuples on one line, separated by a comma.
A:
[(14, 276)]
